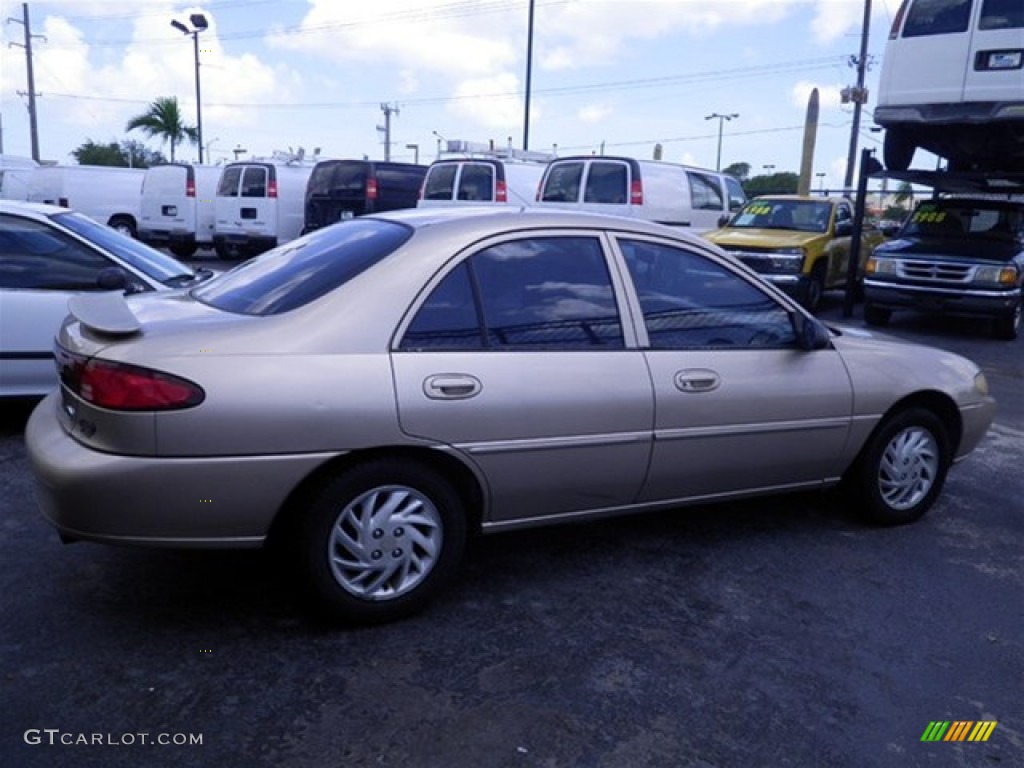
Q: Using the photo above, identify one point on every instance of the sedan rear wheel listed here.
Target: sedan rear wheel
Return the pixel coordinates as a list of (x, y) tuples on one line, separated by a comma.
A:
[(902, 468), (380, 540)]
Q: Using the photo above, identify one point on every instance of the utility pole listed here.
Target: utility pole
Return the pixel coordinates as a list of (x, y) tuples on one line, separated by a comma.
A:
[(387, 109), (529, 73), (857, 95), (33, 125)]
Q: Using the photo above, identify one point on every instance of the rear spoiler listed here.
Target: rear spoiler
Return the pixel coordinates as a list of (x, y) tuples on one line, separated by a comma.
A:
[(107, 313)]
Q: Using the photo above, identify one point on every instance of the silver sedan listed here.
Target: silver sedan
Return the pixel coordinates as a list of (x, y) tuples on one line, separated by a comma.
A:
[(371, 394)]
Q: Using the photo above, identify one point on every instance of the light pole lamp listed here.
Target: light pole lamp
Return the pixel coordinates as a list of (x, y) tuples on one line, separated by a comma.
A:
[(199, 24), (821, 181), (721, 121), (416, 152)]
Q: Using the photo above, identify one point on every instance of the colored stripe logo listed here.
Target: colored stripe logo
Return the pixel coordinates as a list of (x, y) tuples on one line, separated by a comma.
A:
[(959, 730)]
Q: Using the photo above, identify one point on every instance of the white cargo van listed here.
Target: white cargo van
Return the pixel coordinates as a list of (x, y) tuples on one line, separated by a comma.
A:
[(952, 82), (177, 210), (15, 176), (259, 205), (483, 176), (106, 194), (676, 195)]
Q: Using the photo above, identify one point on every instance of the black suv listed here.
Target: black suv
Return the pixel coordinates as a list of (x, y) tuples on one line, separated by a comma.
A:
[(958, 256)]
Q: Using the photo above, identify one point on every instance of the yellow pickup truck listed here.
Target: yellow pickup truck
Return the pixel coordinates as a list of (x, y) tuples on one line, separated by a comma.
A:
[(800, 244)]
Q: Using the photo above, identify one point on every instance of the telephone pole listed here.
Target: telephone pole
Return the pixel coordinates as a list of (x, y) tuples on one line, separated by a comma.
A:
[(33, 125), (857, 95), (388, 110)]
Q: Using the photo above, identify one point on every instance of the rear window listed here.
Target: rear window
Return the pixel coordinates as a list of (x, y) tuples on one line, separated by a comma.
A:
[(335, 177), (440, 182), (607, 183), (228, 185), (476, 182), (254, 181), (562, 184), (303, 270), (938, 17), (1002, 14)]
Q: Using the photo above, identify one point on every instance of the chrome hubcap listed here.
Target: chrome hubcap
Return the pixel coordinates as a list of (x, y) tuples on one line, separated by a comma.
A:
[(908, 468), (385, 542)]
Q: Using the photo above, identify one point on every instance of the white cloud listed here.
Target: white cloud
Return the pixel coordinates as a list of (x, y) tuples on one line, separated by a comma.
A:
[(476, 100), (593, 113)]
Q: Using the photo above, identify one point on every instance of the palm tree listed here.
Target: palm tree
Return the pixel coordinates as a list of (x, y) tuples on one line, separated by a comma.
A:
[(163, 120)]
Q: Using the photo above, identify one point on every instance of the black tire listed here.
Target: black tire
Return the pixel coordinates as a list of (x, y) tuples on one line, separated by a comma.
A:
[(183, 251), (224, 252), (875, 315), (123, 224), (416, 543), (814, 288), (902, 468), (1007, 327), (897, 150)]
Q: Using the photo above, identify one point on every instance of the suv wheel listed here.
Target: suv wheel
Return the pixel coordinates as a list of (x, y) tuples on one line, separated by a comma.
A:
[(814, 288), (897, 149), (1007, 327)]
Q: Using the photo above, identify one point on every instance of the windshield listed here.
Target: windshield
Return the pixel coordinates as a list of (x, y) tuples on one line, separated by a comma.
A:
[(159, 266), (303, 270), (958, 218), (799, 215)]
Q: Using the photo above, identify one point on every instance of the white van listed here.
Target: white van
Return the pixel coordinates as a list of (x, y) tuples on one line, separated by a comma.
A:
[(15, 176), (952, 82), (484, 176), (259, 205), (177, 210), (676, 195), (106, 194)]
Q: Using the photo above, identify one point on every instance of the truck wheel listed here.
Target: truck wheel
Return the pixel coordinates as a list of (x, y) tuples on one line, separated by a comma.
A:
[(182, 251), (123, 224), (814, 288), (875, 315), (897, 150), (1007, 327)]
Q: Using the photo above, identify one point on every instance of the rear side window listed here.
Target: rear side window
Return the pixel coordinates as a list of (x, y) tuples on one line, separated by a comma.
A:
[(607, 183), (303, 270), (705, 192), (440, 182), (228, 185), (562, 184), (1002, 14), (937, 17), (476, 182)]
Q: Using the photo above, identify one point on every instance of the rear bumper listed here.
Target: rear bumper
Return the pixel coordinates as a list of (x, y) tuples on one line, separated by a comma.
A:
[(164, 238), (951, 301), (223, 502), (241, 241), (977, 112)]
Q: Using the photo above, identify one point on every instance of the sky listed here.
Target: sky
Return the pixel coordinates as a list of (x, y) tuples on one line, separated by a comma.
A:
[(615, 77)]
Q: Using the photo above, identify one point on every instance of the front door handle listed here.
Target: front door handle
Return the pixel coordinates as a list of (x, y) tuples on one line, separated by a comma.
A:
[(697, 380), (451, 386)]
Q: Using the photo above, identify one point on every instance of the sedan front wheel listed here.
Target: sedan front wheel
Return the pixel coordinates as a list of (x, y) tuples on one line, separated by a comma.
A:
[(380, 540), (902, 468)]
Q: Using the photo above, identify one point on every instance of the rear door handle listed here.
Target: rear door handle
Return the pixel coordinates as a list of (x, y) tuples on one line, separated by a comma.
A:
[(451, 386), (697, 380)]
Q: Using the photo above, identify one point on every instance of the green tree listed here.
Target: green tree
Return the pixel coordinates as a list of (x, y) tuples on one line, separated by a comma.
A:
[(740, 170), (127, 153), (771, 184), (163, 120)]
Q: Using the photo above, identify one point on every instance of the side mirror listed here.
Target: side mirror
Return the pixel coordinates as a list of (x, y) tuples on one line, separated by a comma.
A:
[(112, 279), (723, 220), (844, 228), (811, 334)]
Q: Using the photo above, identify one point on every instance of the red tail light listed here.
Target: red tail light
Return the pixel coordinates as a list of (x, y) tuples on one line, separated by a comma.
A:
[(894, 31), (371, 189), (190, 189), (500, 192), (636, 192), (123, 387), (272, 188)]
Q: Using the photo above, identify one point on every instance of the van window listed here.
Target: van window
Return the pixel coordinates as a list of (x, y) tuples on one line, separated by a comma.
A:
[(254, 181), (228, 185), (705, 192), (606, 183), (563, 183), (737, 197), (400, 182), (1002, 14), (476, 182), (440, 182), (937, 17)]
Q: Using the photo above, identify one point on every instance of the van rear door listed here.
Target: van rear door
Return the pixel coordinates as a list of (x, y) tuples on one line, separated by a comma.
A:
[(924, 58), (336, 190), (995, 70), (166, 206), (247, 202)]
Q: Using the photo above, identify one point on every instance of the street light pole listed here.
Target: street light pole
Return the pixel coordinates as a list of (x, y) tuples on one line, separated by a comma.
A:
[(199, 24), (721, 121)]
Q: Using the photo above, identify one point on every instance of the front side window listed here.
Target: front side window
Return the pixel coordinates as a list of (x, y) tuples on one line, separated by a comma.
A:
[(690, 302), (562, 184), (937, 17), (607, 183), (476, 182), (705, 192), (34, 256), (548, 293)]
